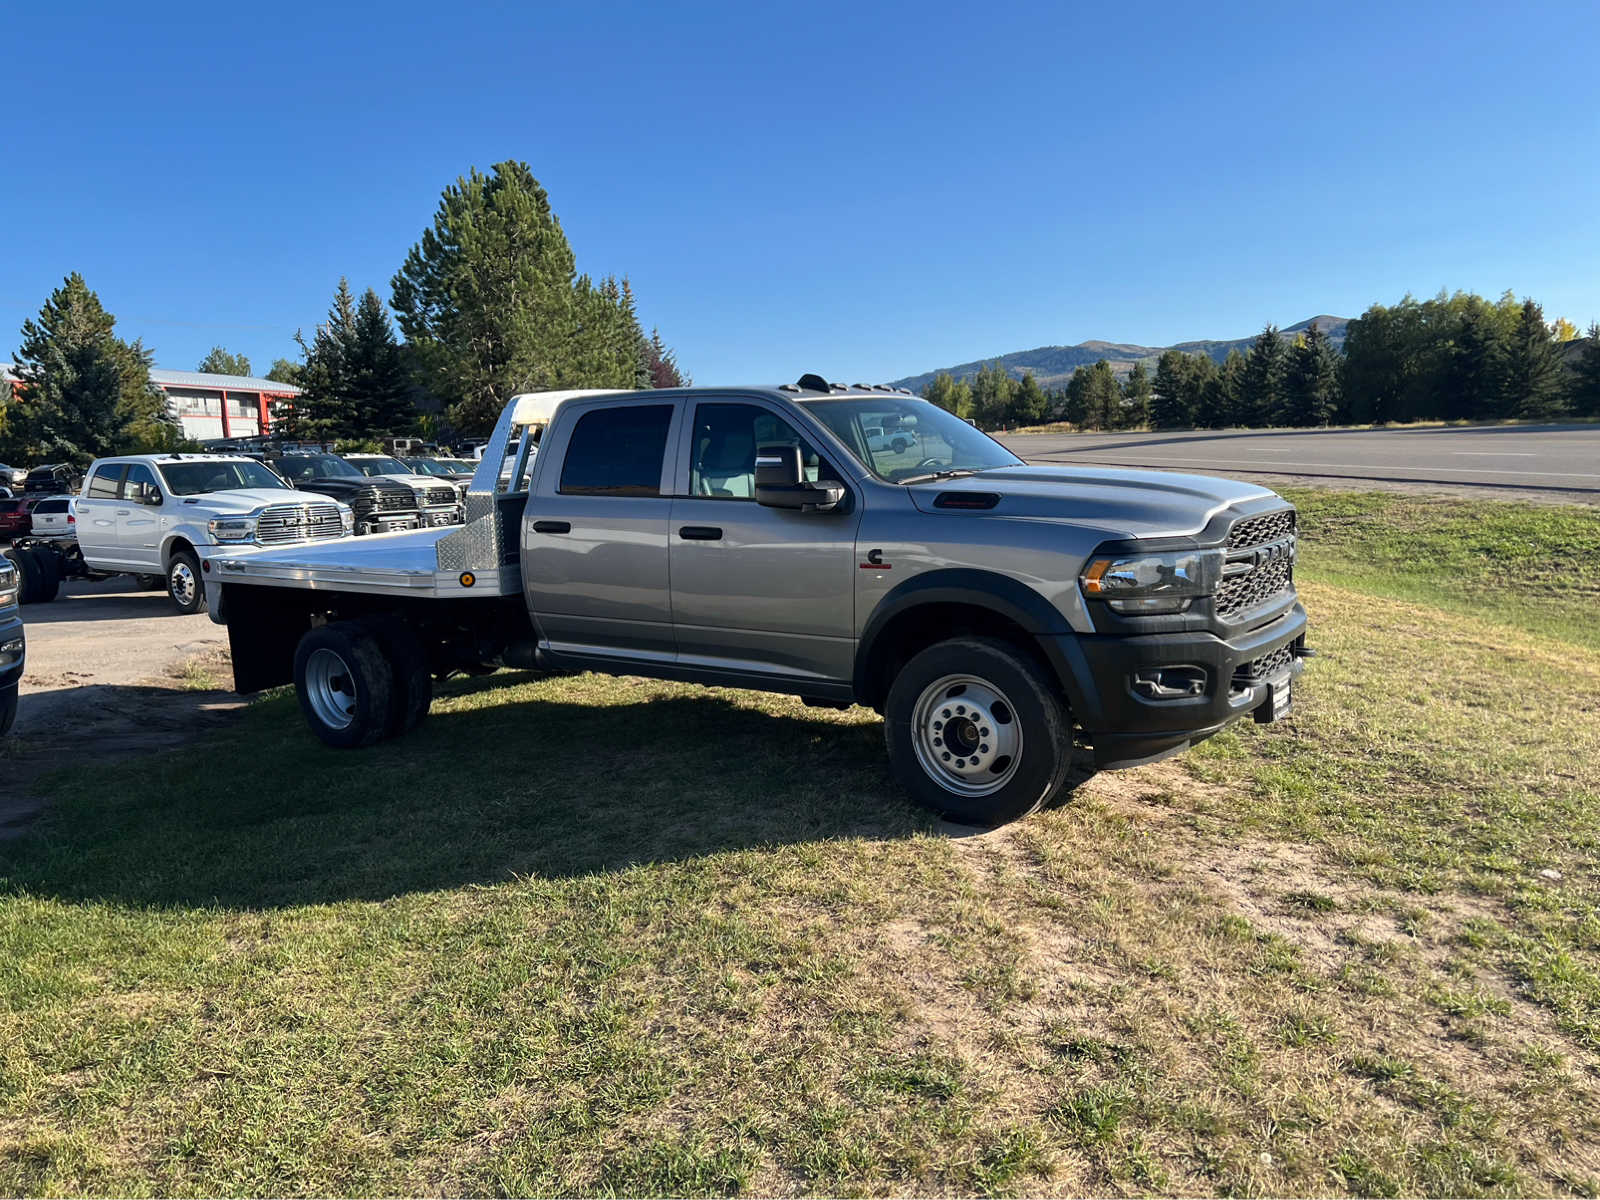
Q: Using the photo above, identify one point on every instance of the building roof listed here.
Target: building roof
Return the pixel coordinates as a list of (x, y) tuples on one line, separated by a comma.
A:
[(197, 379), (205, 379)]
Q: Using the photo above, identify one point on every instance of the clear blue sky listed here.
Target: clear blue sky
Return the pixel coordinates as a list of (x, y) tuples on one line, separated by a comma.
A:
[(866, 190)]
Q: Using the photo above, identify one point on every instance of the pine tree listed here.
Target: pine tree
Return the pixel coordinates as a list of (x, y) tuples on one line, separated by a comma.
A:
[(1310, 381), (221, 362), (1470, 377), (664, 370), (1136, 396), (325, 409), (491, 301), (1260, 398), (1583, 386), (376, 379), (1028, 402), (1533, 372), (1078, 408), (83, 392), (1171, 405), (1219, 393)]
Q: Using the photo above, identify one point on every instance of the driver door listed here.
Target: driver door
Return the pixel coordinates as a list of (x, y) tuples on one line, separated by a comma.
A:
[(757, 589), (139, 519)]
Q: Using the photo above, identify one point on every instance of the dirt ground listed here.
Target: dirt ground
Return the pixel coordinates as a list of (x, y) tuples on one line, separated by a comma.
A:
[(111, 671)]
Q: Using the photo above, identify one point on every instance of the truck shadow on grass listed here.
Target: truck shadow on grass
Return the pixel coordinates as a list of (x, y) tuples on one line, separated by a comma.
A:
[(549, 778)]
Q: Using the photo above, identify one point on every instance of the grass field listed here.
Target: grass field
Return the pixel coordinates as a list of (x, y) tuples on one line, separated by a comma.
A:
[(596, 936)]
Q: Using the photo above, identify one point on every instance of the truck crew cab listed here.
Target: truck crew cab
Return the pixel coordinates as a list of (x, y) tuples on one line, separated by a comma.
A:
[(999, 615)]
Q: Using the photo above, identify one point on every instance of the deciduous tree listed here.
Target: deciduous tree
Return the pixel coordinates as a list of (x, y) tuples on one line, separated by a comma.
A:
[(220, 362)]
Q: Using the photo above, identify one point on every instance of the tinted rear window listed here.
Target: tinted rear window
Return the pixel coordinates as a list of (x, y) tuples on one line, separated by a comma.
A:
[(10, 505), (50, 506), (617, 452)]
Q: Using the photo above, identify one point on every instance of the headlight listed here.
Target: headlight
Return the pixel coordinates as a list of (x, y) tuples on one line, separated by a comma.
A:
[(1144, 584), (233, 529), (347, 517), (8, 584)]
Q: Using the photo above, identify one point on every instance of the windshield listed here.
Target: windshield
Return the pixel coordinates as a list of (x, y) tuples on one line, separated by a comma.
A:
[(904, 439), (317, 466), (381, 465), (192, 478)]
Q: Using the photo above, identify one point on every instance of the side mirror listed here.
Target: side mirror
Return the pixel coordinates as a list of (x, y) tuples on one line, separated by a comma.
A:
[(781, 482), (152, 496)]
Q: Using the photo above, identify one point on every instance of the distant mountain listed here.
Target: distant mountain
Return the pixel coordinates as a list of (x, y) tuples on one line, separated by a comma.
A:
[(1052, 366)]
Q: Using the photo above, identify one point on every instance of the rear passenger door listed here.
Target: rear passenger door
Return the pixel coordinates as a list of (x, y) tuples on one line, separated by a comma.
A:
[(757, 589), (594, 534), (97, 515)]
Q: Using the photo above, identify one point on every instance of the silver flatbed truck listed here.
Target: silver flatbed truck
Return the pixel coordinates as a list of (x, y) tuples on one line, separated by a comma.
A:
[(847, 545)]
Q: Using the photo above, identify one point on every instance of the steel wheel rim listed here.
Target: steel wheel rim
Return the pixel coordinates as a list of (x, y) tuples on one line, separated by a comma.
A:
[(330, 689), (967, 735), (182, 580)]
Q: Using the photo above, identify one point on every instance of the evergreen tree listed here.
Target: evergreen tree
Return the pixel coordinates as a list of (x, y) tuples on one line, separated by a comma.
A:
[(1078, 408), (491, 301), (1533, 372), (82, 392), (1172, 404), (220, 362), (1260, 399), (1311, 381), (1136, 397), (1470, 378), (325, 409), (1029, 405), (1102, 396), (376, 378), (1219, 393), (1583, 387)]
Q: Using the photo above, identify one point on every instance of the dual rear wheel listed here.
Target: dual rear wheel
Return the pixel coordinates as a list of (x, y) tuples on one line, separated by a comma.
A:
[(362, 681)]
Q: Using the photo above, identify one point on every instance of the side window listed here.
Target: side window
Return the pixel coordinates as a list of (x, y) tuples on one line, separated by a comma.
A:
[(139, 485), (105, 482), (617, 452), (722, 460)]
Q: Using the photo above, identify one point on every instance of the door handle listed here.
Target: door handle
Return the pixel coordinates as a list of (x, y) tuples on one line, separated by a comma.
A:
[(700, 533), (122, 512), (552, 526)]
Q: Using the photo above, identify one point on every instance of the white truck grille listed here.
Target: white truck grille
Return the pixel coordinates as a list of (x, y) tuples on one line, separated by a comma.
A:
[(284, 523)]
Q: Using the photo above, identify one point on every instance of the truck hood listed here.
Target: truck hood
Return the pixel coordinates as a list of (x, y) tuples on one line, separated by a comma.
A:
[(243, 500), (1122, 503)]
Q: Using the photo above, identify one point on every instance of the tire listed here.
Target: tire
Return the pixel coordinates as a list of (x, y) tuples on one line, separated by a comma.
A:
[(1003, 709), (48, 586), (8, 709), (900, 445), (345, 684), (188, 594), (413, 683)]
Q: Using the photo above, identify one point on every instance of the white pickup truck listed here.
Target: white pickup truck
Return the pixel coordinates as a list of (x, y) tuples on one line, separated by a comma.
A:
[(155, 515)]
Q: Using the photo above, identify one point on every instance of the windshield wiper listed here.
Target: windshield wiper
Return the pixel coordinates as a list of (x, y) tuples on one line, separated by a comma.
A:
[(957, 473)]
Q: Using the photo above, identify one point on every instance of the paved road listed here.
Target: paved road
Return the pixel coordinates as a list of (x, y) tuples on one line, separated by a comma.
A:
[(1514, 458)]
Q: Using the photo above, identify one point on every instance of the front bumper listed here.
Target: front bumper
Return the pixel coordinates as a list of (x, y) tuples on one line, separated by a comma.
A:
[(1142, 698), (11, 660)]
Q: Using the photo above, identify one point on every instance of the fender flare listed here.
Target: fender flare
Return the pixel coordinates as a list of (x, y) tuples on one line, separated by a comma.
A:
[(1000, 594)]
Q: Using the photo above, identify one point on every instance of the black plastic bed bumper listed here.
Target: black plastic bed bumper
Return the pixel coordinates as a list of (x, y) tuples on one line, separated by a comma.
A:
[(1142, 698)]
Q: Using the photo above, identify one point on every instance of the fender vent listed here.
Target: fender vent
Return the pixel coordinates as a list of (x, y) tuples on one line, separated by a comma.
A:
[(966, 500)]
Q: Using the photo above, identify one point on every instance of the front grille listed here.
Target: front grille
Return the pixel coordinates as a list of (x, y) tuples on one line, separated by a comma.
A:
[(1259, 566), (283, 523), (438, 497), (1254, 587), (1265, 667), (398, 500), (1258, 531)]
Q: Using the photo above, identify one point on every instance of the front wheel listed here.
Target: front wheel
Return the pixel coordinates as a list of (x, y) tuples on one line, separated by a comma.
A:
[(345, 684), (976, 731), (183, 583)]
